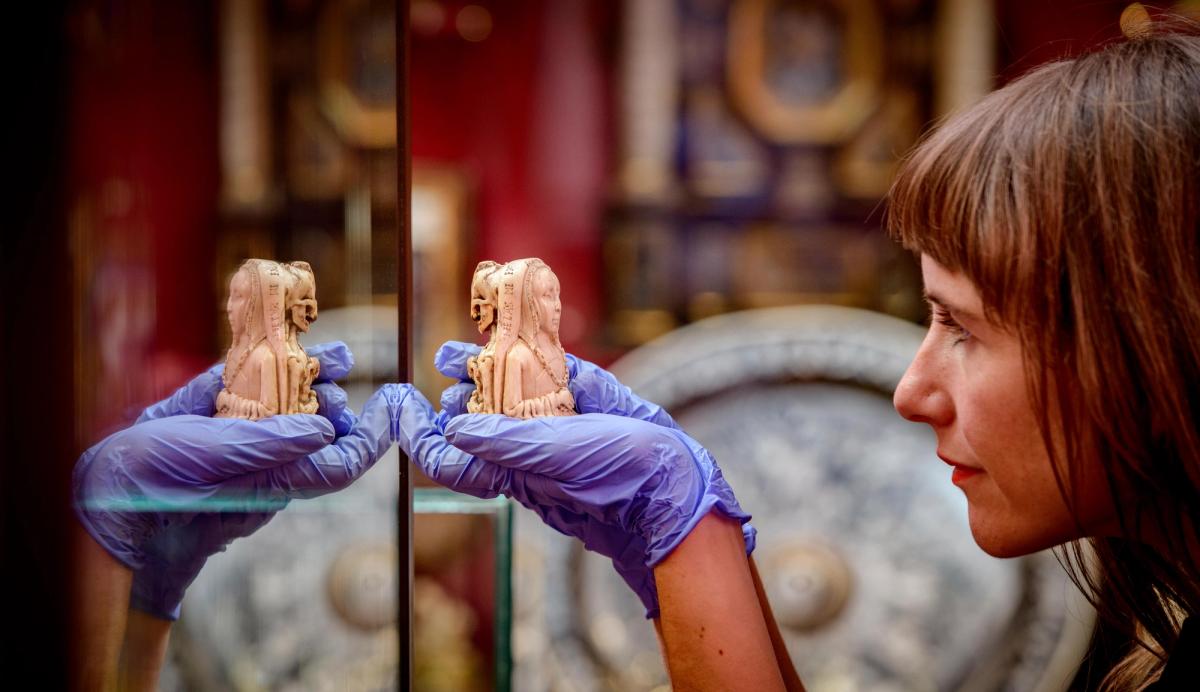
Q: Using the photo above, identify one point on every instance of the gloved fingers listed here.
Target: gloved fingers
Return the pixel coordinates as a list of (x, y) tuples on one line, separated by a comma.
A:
[(331, 403), (400, 413), (596, 390), (350, 456), (566, 448), (455, 397), (418, 434), (197, 397), (451, 359), (331, 400), (193, 450), (335, 358), (750, 535)]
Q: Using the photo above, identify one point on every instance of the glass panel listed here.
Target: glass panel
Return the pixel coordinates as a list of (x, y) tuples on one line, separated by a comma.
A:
[(206, 136), (442, 661), (672, 161), (308, 162)]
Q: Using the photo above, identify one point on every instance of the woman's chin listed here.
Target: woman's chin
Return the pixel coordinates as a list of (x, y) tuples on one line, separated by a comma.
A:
[(1004, 541)]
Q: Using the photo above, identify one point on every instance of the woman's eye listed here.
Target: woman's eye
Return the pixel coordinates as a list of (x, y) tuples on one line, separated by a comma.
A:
[(947, 320)]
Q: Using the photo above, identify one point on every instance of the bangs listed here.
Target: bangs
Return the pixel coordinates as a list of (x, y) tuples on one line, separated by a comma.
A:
[(972, 194)]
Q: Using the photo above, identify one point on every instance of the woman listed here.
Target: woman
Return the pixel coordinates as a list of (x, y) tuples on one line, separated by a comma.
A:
[(1057, 227)]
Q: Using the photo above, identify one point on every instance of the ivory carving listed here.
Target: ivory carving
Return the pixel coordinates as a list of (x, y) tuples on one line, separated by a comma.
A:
[(267, 371), (522, 371)]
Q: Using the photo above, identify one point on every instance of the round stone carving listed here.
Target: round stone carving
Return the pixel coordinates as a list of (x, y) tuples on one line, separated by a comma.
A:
[(362, 585), (807, 583)]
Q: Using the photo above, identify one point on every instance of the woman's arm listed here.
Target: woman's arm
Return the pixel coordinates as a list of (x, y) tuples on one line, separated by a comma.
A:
[(116, 648), (101, 608), (144, 651), (714, 631)]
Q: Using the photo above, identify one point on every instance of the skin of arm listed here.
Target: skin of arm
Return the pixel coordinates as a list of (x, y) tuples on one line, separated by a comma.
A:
[(714, 631), (100, 613), (115, 648), (144, 651)]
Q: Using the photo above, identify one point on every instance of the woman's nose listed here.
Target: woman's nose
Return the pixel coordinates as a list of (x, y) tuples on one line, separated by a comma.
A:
[(921, 395)]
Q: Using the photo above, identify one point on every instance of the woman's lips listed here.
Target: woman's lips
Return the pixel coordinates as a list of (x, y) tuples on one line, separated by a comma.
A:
[(962, 472)]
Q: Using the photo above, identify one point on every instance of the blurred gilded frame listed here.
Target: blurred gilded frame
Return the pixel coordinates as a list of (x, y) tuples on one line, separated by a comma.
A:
[(356, 121), (831, 122), (441, 197)]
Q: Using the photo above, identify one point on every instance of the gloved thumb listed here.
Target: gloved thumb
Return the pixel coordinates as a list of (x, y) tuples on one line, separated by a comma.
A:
[(331, 403), (451, 359), (335, 360), (455, 398)]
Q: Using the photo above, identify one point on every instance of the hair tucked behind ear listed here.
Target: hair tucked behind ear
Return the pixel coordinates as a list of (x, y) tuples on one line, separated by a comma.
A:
[(1071, 198)]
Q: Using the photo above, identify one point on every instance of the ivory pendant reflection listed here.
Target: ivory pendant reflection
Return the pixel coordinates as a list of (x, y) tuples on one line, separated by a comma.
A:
[(267, 371)]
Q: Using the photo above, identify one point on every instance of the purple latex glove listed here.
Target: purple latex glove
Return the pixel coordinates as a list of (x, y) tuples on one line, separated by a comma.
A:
[(622, 477), (178, 486)]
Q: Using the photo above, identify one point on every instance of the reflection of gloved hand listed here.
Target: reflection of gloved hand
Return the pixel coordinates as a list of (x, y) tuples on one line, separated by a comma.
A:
[(178, 486), (622, 477)]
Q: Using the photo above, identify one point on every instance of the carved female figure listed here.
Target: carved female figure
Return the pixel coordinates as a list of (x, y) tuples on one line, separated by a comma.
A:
[(522, 372), (267, 371)]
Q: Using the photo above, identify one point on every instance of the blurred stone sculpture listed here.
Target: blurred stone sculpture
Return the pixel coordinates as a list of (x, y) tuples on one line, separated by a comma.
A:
[(522, 371), (267, 371)]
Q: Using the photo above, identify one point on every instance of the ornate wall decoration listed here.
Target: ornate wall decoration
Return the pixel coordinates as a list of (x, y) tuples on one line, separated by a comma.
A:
[(863, 169), (356, 70), (805, 72), (759, 142)]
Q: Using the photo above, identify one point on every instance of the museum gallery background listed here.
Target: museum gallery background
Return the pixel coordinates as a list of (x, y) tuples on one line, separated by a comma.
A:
[(148, 112)]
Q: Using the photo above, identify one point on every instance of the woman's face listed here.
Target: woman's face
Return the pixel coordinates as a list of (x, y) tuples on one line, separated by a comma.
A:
[(235, 307), (968, 383), (545, 286)]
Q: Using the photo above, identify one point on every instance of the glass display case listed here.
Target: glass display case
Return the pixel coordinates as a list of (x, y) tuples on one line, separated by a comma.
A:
[(674, 161)]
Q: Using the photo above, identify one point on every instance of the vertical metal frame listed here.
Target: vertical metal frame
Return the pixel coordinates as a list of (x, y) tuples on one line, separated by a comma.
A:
[(404, 513)]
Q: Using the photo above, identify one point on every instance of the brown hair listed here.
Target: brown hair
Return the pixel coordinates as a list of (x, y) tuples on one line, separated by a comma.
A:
[(1071, 198)]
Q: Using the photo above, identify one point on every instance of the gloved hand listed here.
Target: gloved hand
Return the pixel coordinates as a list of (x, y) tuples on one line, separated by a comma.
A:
[(178, 486), (622, 477)]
